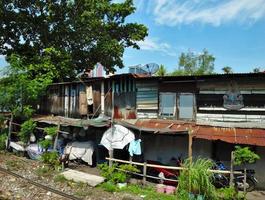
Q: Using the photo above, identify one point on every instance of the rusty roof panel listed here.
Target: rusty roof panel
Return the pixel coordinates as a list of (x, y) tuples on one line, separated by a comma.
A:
[(230, 135)]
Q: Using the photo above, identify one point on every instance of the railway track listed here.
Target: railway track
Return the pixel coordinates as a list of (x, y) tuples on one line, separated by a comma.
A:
[(68, 196)]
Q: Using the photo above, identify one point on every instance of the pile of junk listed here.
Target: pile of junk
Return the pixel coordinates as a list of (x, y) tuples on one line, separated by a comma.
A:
[(75, 139)]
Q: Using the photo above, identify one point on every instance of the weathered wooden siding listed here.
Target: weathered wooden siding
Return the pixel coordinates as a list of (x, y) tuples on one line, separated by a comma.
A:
[(210, 103), (70, 100)]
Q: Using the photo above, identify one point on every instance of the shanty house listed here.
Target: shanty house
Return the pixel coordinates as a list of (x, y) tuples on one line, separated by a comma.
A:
[(219, 111)]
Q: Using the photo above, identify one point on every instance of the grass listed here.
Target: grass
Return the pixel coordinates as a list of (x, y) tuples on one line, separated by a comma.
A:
[(44, 171), (60, 178), (14, 165), (149, 193)]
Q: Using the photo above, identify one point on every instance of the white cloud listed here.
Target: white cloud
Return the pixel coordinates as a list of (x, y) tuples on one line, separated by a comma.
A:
[(175, 12), (154, 44), (2, 56)]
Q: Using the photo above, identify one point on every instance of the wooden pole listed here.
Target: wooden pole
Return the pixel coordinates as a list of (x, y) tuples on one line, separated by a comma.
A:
[(56, 138), (190, 145), (112, 120), (111, 156), (245, 179), (144, 173), (231, 182), (9, 132)]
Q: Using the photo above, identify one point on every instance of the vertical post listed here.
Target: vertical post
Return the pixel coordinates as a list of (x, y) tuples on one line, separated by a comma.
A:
[(245, 179), (9, 131), (110, 156), (56, 137), (102, 98), (112, 120), (231, 183), (144, 173), (190, 145)]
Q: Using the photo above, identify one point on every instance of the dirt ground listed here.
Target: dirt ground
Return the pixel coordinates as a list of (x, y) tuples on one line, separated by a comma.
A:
[(19, 189), (256, 195)]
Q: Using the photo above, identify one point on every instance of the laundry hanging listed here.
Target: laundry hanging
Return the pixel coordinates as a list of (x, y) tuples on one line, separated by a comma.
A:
[(135, 147)]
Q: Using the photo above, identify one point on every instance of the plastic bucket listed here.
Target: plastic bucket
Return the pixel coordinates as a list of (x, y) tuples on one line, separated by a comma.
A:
[(170, 189)]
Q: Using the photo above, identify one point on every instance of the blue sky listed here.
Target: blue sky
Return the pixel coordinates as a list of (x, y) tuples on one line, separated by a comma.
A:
[(232, 30)]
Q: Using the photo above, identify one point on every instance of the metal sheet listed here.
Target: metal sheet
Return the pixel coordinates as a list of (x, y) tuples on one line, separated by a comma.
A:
[(230, 135)]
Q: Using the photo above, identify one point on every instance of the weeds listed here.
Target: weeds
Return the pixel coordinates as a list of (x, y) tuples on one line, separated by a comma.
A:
[(13, 165), (44, 171), (116, 173), (3, 138), (60, 178), (229, 194), (51, 159)]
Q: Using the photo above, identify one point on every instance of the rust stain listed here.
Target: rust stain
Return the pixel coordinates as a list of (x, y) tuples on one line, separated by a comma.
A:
[(230, 135)]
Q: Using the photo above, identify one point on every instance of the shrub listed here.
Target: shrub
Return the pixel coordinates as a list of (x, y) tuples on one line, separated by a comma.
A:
[(52, 131), (50, 158), (3, 138), (45, 144), (229, 193), (26, 129), (116, 173), (197, 179), (244, 155)]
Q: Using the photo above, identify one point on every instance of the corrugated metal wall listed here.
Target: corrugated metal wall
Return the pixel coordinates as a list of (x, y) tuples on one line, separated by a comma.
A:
[(147, 99)]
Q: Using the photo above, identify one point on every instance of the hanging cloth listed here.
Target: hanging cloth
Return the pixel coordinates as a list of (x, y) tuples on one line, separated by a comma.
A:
[(135, 147), (89, 95)]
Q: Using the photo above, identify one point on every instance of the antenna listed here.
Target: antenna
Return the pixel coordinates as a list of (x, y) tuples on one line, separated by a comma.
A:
[(151, 68)]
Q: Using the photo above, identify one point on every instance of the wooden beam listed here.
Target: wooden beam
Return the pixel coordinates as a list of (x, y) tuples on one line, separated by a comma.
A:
[(9, 131)]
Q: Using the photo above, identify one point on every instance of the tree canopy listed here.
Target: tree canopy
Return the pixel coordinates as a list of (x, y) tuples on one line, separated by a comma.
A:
[(23, 84), (85, 32), (195, 64)]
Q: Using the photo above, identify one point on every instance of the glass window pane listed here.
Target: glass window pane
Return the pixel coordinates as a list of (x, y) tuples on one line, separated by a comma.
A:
[(167, 104), (185, 106)]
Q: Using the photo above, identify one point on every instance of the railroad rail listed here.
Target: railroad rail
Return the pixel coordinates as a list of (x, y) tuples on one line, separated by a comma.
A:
[(68, 196)]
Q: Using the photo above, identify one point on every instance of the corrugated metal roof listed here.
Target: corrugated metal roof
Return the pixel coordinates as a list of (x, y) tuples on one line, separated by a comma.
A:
[(230, 135), (64, 121)]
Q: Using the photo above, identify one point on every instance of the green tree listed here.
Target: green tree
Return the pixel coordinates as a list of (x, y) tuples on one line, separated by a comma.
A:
[(24, 84), (195, 64), (227, 70), (162, 71), (84, 31)]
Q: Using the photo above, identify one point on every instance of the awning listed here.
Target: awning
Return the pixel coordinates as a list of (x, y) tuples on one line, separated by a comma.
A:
[(249, 136), (64, 121)]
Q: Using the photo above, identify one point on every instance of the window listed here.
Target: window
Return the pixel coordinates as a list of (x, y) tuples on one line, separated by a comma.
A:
[(167, 104), (186, 109)]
